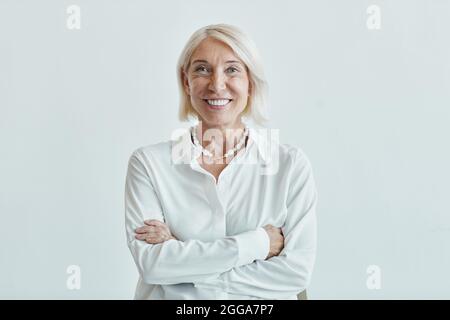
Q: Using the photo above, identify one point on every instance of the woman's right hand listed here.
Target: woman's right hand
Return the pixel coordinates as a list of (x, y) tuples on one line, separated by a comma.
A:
[(154, 232), (276, 240)]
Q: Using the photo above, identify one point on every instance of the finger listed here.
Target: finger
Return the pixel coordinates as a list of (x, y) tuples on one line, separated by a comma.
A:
[(153, 236), (160, 235), (141, 236), (144, 229), (156, 233), (156, 239), (153, 240), (157, 224), (153, 222), (161, 228), (149, 233), (157, 230)]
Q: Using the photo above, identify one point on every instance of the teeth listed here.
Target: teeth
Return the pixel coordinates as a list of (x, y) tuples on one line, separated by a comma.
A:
[(221, 102)]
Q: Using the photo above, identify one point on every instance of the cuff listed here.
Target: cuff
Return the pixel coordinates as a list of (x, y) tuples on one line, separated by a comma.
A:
[(252, 245)]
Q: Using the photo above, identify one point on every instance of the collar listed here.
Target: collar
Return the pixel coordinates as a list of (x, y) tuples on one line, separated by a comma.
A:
[(184, 151)]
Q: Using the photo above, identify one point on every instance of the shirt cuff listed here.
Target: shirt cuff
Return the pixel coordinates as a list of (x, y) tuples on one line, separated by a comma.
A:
[(252, 245)]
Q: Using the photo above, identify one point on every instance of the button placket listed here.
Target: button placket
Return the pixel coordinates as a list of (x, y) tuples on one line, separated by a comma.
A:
[(217, 206)]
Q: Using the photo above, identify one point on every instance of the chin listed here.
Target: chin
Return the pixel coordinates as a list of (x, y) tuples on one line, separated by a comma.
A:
[(215, 121)]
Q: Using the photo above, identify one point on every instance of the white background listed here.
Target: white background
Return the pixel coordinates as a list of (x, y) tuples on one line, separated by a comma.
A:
[(370, 108)]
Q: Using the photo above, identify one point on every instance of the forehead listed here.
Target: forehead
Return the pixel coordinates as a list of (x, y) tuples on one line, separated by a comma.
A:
[(213, 50)]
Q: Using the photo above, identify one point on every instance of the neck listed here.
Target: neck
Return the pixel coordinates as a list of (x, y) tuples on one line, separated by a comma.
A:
[(219, 137)]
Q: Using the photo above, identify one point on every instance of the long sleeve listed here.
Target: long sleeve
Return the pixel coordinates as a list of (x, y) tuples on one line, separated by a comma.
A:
[(289, 273), (173, 261)]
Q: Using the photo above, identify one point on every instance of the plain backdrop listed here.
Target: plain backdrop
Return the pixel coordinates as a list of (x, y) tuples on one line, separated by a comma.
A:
[(370, 108)]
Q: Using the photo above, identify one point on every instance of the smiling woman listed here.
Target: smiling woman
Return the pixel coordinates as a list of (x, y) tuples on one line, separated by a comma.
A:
[(221, 55), (218, 84), (208, 223)]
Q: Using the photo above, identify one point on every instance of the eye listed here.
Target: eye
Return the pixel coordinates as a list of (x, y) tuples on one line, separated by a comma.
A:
[(232, 70), (201, 69)]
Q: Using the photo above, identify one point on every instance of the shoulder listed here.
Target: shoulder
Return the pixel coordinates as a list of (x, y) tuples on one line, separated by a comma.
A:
[(161, 153), (150, 153), (299, 169), (286, 155), (293, 154), (277, 156)]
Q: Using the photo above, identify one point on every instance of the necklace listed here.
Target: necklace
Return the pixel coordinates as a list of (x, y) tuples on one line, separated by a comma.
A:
[(227, 154)]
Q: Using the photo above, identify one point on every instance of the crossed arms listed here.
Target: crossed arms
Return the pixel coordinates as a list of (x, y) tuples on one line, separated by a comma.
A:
[(236, 264)]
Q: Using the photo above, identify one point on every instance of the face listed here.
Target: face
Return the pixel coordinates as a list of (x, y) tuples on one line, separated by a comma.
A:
[(217, 84)]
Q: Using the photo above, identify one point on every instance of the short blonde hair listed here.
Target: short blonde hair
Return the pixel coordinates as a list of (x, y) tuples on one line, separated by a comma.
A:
[(245, 49)]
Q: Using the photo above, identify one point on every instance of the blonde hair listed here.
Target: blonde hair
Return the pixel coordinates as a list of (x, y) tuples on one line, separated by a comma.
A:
[(245, 49)]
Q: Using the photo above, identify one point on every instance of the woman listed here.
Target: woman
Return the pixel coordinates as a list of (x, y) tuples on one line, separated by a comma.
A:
[(223, 211)]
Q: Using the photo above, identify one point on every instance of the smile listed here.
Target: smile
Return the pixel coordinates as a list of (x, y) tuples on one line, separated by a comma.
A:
[(217, 103)]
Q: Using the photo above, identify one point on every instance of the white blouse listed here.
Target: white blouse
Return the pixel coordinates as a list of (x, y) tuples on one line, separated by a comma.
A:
[(222, 246)]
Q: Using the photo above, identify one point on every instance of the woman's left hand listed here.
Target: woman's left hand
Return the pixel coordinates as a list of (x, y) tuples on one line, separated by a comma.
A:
[(154, 232)]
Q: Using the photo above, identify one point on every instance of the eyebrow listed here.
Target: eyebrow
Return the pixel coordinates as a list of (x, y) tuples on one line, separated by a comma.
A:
[(204, 61)]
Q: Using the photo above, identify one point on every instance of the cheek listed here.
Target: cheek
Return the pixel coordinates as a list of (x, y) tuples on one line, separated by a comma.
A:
[(240, 88), (198, 86)]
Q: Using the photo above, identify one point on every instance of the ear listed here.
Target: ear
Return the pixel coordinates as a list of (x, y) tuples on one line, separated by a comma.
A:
[(250, 88), (185, 81)]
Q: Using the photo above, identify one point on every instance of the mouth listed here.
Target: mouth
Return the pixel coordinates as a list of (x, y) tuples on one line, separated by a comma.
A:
[(217, 104)]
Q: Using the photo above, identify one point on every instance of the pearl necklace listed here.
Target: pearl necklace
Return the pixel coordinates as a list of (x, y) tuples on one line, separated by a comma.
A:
[(228, 153)]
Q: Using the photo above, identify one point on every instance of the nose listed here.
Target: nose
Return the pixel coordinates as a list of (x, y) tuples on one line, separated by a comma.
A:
[(217, 82)]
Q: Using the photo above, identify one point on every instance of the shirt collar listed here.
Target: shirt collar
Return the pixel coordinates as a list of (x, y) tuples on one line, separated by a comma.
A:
[(261, 142), (184, 151)]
